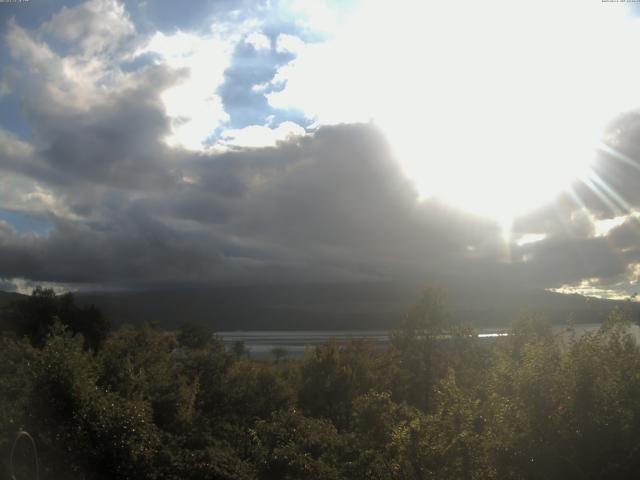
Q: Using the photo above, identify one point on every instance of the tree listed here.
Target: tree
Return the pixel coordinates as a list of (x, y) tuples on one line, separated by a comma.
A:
[(290, 446), (34, 317), (194, 336), (333, 376), (279, 353), (417, 357)]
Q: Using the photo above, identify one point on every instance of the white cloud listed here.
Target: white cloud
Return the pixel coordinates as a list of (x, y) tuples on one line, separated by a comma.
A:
[(69, 82), (322, 83), (633, 273), (289, 44), (193, 105), (528, 238), (315, 15), (259, 41), (23, 194), (26, 286), (256, 136), (12, 147), (593, 287), (260, 87), (604, 226), (93, 27)]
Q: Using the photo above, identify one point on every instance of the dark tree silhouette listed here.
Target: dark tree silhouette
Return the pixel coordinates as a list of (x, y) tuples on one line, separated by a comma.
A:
[(35, 316)]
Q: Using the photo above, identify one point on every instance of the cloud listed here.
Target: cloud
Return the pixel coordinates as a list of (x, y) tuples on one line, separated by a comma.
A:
[(169, 16), (145, 181), (330, 206), (624, 236), (289, 44), (193, 105), (256, 136), (92, 27), (4, 88), (610, 190), (25, 286), (62, 81), (259, 41), (562, 260), (12, 147)]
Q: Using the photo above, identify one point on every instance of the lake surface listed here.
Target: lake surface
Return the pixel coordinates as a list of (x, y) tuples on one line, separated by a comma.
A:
[(261, 343)]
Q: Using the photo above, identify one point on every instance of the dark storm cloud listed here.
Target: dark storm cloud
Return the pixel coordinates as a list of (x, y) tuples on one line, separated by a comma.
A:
[(559, 261), (626, 239), (612, 189), (329, 206), (563, 217), (121, 250), (118, 143)]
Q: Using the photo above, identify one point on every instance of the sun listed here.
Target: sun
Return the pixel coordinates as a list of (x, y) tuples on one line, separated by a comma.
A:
[(494, 107), (495, 152), (505, 109)]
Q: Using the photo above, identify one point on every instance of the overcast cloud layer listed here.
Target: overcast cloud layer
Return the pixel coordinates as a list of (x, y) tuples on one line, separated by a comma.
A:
[(136, 154)]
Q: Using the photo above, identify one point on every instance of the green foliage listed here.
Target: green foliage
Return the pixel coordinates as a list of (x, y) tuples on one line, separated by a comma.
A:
[(279, 353), (448, 443), (137, 362), (35, 316), (194, 336), (438, 403), (239, 349), (16, 382), (417, 350), (374, 443), (214, 459), (291, 446), (79, 426), (333, 376), (256, 390)]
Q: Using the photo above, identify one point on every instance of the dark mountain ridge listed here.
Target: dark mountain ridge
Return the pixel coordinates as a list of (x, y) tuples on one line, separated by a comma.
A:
[(337, 306), (342, 306)]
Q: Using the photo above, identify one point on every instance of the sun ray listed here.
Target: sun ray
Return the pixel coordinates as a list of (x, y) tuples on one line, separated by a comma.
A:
[(621, 205), (618, 155), (595, 188)]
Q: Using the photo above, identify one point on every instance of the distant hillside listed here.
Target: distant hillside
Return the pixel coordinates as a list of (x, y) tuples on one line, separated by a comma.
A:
[(362, 306), (337, 306), (262, 307), (8, 297)]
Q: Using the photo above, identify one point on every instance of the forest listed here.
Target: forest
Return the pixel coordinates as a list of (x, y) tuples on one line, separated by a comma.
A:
[(436, 403)]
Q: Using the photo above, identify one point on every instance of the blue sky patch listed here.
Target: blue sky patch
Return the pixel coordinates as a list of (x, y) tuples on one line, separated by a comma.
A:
[(26, 223)]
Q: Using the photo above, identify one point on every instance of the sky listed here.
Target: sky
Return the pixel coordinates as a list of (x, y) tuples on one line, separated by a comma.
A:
[(148, 144)]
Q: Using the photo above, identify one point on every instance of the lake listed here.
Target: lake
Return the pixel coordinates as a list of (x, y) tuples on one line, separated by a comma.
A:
[(260, 343)]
